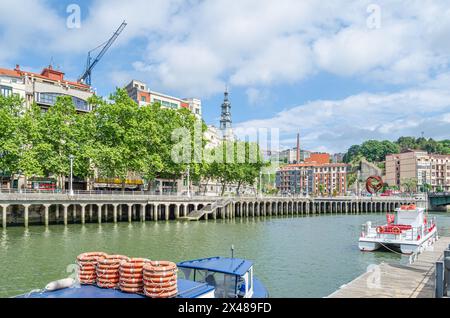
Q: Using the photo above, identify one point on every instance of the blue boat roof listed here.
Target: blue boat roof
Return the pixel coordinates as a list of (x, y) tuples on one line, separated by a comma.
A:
[(186, 289), (226, 265)]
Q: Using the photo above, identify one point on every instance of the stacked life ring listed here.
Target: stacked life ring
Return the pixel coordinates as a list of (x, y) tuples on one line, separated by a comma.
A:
[(131, 276), (87, 264), (160, 279), (108, 270)]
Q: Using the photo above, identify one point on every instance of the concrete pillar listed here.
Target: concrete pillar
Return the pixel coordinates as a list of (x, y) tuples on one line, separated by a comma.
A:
[(115, 212), (155, 214), (99, 213), (46, 208), (177, 212), (129, 212), (26, 212), (57, 212), (167, 212), (142, 217), (74, 213), (66, 207), (106, 212), (4, 215), (83, 213)]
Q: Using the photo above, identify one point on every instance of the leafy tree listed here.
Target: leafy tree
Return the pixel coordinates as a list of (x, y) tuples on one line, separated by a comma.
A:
[(410, 185)]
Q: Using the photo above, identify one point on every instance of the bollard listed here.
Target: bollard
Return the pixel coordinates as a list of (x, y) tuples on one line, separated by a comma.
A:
[(439, 292), (447, 273)]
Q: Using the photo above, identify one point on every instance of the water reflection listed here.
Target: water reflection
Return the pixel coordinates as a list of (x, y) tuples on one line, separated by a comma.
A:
[(294, 256)]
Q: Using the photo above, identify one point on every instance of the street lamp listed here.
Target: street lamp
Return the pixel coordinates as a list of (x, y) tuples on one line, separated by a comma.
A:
[(71, 157), (188, 181), (260, 183)]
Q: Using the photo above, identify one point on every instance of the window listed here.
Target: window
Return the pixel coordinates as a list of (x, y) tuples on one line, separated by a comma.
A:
[(50, 100), (143, 99), (5, 91)]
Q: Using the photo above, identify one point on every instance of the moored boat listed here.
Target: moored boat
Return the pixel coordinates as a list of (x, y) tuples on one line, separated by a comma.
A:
[(215, 277), (409, 232)]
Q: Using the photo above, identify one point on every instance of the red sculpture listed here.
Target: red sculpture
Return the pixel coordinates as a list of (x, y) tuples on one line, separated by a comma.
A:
[(374, 184)]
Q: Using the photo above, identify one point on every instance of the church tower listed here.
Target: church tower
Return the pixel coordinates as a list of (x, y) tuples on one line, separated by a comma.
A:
[(225, 118)]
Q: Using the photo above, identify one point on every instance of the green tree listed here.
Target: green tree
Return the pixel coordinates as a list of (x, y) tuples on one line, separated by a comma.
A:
[(410, 185)]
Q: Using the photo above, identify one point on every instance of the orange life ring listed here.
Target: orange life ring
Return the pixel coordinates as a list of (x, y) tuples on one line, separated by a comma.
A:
[(159, 286), (132, 290), (131, 270), (113, 260), (153, 280), (161, 295), (396, 230), (131, 280), (160, 266), (134, 263), (132, 285), (130, 275), (92, 256)]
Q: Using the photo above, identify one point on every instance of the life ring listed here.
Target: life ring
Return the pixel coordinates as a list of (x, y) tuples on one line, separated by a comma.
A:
[(132, 290), (106, 271), (159, 286), (114, 260), (380, 229), (153, 280), (135, 263), (91, 256), (396, 230), (131, 280), (131, 285), (161, 295), (131, 275), (160, 266)]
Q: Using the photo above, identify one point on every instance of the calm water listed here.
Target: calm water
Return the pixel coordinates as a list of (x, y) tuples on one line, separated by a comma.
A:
[(294, 257)]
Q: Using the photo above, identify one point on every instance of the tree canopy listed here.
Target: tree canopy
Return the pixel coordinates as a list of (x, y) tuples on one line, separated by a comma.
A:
[(115, 140)]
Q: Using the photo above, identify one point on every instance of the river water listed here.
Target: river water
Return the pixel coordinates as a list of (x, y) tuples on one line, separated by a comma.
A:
[(294, 256)]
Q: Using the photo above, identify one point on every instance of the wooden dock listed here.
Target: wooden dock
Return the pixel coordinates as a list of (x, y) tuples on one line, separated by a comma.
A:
[(398, 281)]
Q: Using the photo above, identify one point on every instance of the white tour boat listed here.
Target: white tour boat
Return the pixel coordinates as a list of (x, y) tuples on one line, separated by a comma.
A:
[(410, 231)]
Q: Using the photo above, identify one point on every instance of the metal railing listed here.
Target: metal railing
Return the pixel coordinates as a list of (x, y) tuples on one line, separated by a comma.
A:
[(442, 276), (194, 195)]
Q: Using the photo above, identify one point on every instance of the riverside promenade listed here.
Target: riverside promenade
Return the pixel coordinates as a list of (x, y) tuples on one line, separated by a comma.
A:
[(398, 281), (99, 207)]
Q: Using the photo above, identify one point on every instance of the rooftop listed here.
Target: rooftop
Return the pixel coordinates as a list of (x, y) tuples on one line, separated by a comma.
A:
[(47, 73), (232, 266)]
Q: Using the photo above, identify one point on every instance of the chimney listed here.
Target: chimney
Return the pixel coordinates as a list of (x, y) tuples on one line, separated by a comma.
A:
[(17, 67), (298, 148)]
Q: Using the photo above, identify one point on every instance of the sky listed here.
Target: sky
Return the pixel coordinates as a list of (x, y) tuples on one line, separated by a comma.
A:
[(338, 72)]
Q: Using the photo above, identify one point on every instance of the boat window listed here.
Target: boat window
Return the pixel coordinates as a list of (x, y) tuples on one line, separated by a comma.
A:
[(225, 285)]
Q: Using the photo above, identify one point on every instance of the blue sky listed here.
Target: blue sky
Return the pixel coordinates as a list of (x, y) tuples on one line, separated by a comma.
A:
[(339, 72)]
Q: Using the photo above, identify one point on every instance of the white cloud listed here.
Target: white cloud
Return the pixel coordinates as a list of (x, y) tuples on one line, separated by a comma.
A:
[(335, 125), (194, 47)]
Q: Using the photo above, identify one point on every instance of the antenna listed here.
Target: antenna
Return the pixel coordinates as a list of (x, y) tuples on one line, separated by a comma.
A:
[(232, 251)]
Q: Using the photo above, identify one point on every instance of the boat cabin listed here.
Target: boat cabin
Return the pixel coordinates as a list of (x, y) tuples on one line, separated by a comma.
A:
[(410, 216), (230, 277)]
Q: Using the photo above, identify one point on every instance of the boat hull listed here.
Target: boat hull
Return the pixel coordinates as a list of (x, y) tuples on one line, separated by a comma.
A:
[(368, 244)]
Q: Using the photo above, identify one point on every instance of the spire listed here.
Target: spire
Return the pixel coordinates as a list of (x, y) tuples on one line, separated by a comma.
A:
[(225, 118)]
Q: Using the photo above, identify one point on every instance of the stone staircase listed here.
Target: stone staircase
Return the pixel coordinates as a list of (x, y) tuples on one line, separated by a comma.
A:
[(210, 208)]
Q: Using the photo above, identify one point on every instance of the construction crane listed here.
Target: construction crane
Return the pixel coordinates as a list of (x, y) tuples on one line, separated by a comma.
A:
[(86, 77)]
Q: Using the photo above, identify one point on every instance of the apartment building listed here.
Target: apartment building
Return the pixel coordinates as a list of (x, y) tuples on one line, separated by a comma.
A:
[(44, 88), (313, 177), (141, 94), (430, 169)]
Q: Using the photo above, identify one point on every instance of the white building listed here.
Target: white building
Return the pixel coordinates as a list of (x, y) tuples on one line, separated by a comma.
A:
[(44, 88)]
